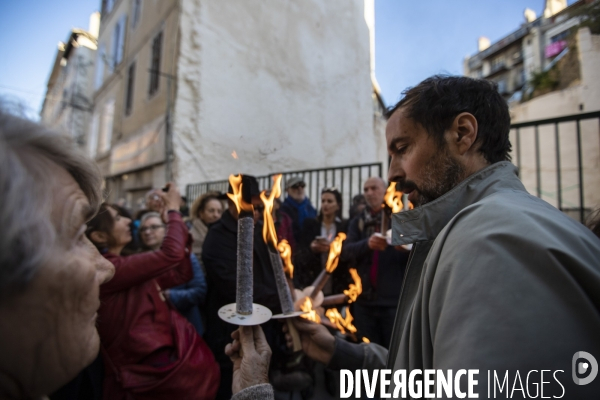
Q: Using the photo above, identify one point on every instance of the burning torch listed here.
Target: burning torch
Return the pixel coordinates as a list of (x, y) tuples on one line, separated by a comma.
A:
[(244, 311), (283, 285)]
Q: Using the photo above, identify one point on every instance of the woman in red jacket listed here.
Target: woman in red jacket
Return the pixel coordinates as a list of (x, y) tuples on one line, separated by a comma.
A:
[(149, 350)]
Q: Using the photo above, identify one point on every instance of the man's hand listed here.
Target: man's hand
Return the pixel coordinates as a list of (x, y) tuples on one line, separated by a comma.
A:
[(377, 242), (251, 355), (317, 342)]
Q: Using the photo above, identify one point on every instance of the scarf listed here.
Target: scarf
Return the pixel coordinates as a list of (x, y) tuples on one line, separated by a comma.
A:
[(304, 208)]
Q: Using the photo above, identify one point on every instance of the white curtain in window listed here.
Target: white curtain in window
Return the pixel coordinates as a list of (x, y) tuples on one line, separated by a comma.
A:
[(100, 55), (108, 112), (93, 138)]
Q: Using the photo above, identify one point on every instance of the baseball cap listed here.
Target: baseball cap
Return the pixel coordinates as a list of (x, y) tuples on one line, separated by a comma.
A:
[(294, 180)]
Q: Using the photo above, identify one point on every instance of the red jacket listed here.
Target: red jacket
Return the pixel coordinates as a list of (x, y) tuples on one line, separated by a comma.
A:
[(150, 350)]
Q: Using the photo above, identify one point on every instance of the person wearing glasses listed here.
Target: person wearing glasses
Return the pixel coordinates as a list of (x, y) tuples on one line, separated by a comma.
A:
[(297, 205), (149, 349), (313, 248), (189, 297)]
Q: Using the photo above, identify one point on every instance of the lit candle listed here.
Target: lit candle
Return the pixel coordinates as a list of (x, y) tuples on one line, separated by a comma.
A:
[(335, 248), (245, 246)]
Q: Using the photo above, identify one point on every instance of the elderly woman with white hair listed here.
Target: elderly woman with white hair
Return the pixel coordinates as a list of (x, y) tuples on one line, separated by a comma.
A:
[(50, 273)]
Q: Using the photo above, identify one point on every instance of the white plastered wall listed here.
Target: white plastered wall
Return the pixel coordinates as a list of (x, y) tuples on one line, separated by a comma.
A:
[(287, 85)]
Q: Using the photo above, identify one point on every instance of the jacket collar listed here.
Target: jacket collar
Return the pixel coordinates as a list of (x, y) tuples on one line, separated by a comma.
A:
[(426, 222)]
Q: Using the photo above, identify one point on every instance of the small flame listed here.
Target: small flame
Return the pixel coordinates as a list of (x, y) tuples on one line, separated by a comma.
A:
[(286, 254), (355, 288), (234, 155), (236, 184), (335, 248), (311, 314), (269, 232), (393, 198), (340, 322), (366, 340)]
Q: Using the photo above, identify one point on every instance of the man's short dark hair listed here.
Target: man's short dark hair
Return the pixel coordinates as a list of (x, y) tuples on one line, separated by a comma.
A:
[(435, 102)]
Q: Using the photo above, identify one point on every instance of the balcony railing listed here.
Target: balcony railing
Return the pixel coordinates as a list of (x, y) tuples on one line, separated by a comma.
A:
[(558, 161)]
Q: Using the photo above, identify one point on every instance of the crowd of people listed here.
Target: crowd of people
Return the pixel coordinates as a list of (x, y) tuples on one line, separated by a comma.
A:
[(96, 303)]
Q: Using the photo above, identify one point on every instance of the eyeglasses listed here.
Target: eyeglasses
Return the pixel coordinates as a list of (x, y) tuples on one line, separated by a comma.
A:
[(330, 189), (151, 227), (298, 186)]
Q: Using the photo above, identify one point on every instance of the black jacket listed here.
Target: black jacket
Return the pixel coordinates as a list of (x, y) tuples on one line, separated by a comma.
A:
[(219, 255), (391, 266), (308, 265)]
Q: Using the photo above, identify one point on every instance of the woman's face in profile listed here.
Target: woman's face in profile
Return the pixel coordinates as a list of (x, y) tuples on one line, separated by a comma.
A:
[(48, 332), (121, 231)]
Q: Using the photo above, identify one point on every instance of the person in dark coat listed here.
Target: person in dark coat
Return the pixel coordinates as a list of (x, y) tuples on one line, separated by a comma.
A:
[(313, 249), (380, 266), (219, 256)]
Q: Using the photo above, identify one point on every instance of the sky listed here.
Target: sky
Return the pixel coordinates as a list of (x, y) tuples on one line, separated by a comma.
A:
[(413, 39)]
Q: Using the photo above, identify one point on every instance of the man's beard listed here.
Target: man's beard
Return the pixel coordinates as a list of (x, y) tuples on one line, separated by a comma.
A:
[(440, 175)]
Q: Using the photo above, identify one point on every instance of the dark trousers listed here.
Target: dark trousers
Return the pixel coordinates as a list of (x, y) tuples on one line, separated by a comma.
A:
[(374, 322)]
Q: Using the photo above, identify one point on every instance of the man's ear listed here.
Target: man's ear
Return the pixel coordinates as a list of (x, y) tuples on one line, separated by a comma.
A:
[(99, 237), (464, 128)]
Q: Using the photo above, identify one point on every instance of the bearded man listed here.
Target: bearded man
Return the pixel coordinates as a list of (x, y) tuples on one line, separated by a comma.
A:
[(498, 280)]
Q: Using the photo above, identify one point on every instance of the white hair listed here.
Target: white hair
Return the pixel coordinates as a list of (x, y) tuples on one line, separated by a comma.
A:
[(148, 215), (27, 231)]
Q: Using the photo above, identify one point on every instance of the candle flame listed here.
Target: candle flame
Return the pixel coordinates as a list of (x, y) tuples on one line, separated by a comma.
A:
[(234, 155), (236, 184), (340, 322), (366, 340), (335, 248), (355, 288), (311, 314), (286, 255), (269, 231), (393, 198)]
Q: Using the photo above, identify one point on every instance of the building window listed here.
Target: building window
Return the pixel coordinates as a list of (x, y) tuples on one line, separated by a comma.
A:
[(107, 6), (137, 11), (100, 56), (118, 41), (497, 62), (129, 95), (155, 64), (108, 112), (502, 89)]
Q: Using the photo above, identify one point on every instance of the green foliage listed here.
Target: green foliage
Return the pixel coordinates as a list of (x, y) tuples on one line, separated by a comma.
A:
[(545, 80), (590, 16)]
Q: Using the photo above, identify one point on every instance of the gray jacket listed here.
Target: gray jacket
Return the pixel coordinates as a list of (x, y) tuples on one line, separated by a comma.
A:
[(498, 280)]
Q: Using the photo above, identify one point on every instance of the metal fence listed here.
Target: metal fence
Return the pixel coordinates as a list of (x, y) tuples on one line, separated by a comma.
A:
[(347, 179), (559, 161)]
